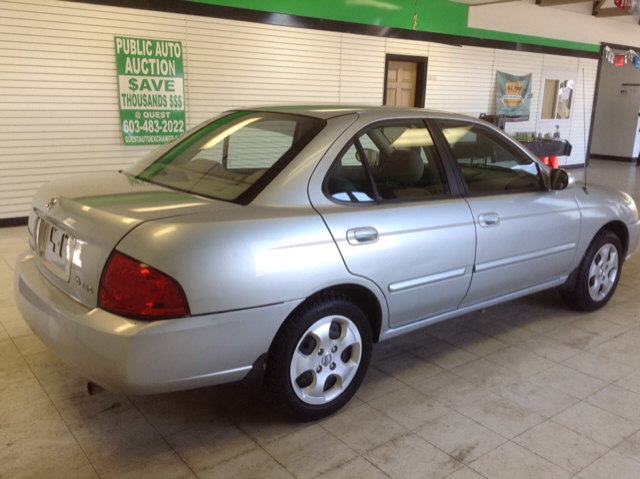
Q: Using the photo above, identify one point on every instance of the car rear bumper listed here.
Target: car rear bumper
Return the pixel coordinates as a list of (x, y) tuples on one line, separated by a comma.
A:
[(144, 357)]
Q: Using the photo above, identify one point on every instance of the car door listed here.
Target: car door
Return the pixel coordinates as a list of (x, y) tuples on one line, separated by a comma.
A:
[(527, 235), (397, 219)]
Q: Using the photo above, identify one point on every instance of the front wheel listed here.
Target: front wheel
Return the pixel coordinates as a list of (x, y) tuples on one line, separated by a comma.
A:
[(598, 273), (319, 358)]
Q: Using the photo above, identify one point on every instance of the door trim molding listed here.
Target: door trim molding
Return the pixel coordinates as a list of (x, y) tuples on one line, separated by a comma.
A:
[(523, 257), (406, 328), (433, 278)]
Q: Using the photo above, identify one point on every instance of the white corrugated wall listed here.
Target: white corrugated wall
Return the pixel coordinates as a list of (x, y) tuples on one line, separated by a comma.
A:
[(58, 90)]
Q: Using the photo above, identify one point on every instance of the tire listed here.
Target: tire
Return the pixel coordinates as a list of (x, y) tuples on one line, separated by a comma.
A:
[(598, 274), (319, 357)]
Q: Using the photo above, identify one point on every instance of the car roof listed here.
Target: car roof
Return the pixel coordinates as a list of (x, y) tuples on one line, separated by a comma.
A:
[(326, 112)]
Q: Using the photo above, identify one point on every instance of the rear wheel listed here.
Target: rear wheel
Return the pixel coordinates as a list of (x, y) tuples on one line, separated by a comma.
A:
[(319, 358), (598, 273)]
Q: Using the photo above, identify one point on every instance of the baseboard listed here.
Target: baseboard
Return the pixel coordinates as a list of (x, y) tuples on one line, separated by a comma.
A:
[(11, 222), (624, 159), (575, 166)]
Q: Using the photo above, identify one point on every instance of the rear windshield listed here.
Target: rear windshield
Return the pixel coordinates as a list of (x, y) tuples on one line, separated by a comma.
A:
[(232, 158)]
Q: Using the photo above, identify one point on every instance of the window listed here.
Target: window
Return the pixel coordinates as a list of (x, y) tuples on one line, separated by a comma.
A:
[(226, 157), (488, 162), (400, 157), (556, 99), (260, 145), (348, 179)]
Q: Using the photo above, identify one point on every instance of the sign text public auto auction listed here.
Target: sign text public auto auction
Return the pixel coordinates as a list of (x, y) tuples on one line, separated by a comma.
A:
[(150, 90)]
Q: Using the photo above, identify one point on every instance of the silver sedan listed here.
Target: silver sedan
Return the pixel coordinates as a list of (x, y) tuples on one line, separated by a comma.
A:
[(289, 240)]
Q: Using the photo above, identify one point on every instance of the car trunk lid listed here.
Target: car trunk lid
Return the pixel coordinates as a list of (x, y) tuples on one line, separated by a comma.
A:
[(77, 222)]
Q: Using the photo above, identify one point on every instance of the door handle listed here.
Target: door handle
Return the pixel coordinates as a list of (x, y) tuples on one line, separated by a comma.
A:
[(489, 219), (368, 234)]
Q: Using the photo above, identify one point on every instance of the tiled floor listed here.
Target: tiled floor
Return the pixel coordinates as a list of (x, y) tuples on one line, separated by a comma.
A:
[(529, 389)]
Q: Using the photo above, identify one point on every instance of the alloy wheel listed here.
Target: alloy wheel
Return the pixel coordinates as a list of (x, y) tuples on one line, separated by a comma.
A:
[(603, 272), (326, 359)]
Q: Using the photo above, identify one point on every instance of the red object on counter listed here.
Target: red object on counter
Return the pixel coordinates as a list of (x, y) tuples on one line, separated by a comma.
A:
[(622, 4), (553, 161)]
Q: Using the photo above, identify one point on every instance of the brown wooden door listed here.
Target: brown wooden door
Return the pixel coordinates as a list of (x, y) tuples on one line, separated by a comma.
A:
[(401, 83)]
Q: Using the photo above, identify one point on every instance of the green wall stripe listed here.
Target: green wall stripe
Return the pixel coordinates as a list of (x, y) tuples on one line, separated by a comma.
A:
[(437, 16)]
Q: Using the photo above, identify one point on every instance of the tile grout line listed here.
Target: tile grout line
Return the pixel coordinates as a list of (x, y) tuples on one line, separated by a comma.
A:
[(409, 432), (161, 436), (609, 412), (57, 411), (259, 446)]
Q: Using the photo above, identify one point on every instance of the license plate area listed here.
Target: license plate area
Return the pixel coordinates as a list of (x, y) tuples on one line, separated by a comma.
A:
[(54, 247)]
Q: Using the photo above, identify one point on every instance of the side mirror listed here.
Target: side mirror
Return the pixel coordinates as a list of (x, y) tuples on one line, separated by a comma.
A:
[(560, 179)]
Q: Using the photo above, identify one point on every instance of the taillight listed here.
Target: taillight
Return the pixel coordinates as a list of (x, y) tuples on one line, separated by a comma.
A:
[(136, 290)]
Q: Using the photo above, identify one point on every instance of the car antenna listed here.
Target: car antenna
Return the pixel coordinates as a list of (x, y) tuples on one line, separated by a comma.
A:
[(584, 133)]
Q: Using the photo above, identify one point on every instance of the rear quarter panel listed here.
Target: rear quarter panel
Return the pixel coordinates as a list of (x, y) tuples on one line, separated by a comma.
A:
[(242, 258)]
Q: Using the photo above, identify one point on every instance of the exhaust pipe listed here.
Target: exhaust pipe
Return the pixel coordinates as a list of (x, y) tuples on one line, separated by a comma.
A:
[(93, 388)]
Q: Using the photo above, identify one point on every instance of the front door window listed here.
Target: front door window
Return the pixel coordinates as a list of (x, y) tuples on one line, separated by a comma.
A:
[(489, 164)]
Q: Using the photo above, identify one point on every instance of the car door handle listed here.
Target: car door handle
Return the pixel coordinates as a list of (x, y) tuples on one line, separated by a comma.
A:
[(366, 234), (489, 219)]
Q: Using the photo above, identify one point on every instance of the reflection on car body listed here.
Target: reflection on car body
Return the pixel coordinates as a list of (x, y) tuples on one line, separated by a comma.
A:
[(294, 238)]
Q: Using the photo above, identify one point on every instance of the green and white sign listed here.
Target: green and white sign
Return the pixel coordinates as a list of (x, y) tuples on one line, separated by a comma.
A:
[(150, 90)]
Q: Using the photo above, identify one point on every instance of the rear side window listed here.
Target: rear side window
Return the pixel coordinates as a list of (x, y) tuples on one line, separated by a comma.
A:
[(399, 157), (348, 179), (231, 157), (489, 163)]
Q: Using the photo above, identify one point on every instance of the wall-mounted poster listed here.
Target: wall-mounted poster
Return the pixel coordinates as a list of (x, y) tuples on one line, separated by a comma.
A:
[(150, 90), (514, 96)]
